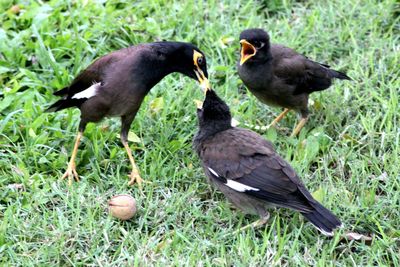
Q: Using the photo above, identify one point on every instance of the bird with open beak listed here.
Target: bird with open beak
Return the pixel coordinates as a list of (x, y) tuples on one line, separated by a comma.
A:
[(116, 84), (279, 76)]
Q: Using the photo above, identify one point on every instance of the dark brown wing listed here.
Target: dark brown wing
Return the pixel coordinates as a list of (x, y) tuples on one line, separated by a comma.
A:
[(92, 74), (307, 75), (244, 157)]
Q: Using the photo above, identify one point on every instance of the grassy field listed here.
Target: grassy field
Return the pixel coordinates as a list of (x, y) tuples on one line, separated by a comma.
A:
[(348, 153)]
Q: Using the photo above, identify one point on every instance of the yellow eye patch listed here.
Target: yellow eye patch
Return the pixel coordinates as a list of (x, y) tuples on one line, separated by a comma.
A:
[(205, 85), (196, 55)]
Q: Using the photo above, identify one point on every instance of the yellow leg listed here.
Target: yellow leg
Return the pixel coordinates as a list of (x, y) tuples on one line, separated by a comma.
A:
[(280, 116), (71, 169), (134, 176), (258, 223), (299, 126)]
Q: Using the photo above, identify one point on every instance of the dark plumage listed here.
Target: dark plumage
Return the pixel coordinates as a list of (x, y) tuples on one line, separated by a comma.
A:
[(279, 76), (247, 169), (116, 84)]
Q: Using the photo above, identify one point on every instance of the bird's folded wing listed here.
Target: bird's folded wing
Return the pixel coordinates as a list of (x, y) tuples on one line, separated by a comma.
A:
[(91, 75), (296, 69), (247, 163)]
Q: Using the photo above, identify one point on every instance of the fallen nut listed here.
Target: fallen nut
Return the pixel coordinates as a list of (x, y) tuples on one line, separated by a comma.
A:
[(122, 207)]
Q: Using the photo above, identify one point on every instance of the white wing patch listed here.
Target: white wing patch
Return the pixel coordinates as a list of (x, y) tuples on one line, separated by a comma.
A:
[(87, 93), (213, 172), (235, 185), (239, 187)]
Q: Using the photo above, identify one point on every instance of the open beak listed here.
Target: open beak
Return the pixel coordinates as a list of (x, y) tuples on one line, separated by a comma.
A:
[(247, 51), (199, 104), (204, 83)]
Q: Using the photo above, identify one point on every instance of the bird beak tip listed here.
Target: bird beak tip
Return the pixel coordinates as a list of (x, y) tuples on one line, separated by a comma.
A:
[(203, 81), (205, 85)]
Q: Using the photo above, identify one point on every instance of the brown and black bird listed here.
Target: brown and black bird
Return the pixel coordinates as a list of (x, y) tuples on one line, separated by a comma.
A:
[(247, 169), (279, 76), (116, 84)]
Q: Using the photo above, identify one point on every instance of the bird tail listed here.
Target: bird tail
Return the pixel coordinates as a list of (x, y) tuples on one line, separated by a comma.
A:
[(62, 92), (65, 103), (323, 219), (338, 75)]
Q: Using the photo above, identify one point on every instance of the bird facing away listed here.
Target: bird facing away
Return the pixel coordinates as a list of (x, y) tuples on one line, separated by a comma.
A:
[(279, 76), (116, 84), (246, 168)]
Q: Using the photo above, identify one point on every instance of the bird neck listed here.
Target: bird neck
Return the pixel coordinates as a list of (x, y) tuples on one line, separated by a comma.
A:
[(206, 130), (159, 69), (258, 76), (162, 62)]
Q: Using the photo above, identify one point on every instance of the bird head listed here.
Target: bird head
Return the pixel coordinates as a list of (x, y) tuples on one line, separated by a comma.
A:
[(191, 61), (213, 112), (254, 46)]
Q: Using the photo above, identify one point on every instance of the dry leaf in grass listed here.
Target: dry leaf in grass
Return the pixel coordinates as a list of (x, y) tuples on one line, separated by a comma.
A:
[(226, 41), (15, 9), (17, 170), (358, 237), (318, 194), (132, 137), (156, 105), (383, 177), (16, 186)]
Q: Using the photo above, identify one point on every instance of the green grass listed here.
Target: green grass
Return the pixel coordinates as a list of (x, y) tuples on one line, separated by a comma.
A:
[(348, 152)]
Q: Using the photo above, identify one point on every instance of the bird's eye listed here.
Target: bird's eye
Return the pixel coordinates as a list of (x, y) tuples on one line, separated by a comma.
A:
[(258, 44), (200, 61)]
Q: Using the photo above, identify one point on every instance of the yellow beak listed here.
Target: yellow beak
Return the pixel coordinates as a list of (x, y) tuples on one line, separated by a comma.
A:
[(247, 51), (204, 83)]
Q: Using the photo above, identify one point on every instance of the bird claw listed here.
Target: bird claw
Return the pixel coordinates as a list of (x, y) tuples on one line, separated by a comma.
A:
[(71, 174), (135, 178)]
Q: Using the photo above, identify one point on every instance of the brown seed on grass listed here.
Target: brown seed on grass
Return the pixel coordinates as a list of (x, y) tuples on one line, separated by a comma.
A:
[(122, 207)]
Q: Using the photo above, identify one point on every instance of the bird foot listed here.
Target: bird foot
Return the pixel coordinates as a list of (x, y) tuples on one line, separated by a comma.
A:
[(299, 126), (256, 224), (71, 173), (135, 178)]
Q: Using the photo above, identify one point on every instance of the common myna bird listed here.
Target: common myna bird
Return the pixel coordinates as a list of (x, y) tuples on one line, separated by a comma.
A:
[(116, 84), (247, 169), (279, 76)]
